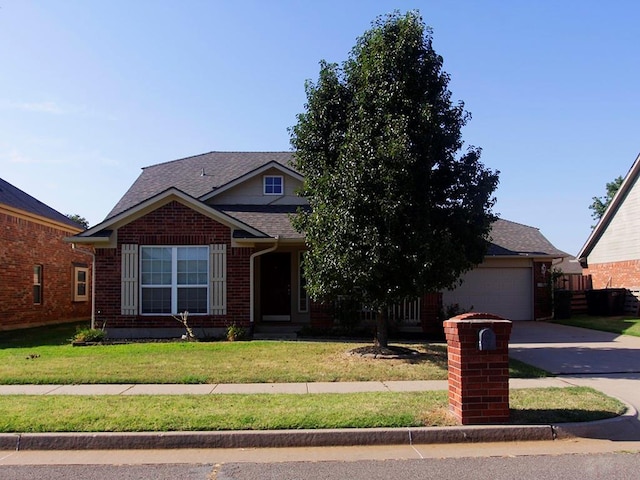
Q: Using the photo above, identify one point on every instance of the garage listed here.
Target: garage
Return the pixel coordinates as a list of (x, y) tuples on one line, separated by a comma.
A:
[(507, 292)]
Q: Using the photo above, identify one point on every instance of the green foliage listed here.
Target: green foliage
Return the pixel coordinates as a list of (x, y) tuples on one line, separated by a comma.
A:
[(235, 332), (396, 210), (600, 204), (81, 221), (89, 335)]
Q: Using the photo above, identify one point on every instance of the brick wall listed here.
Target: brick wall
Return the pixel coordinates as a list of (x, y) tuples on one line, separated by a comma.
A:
[(23, 244), (615, 274), (172, 224), (542, 300)]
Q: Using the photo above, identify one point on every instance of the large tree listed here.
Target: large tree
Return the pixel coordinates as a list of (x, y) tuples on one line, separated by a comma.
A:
[(396, 209), (600, 204)]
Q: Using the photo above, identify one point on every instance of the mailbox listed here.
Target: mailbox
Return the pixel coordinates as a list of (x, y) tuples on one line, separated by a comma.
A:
[(486, 339)]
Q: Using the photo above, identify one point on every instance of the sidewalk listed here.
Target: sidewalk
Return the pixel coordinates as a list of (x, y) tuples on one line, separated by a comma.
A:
[(253, 388)]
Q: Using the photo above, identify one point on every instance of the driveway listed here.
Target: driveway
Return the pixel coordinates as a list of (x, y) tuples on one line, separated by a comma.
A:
[(607, 362)]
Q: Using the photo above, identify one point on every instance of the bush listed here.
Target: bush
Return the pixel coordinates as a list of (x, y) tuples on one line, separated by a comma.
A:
[(89, 335), (235, 332)]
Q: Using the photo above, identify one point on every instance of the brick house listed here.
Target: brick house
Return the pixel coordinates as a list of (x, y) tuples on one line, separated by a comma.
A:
[(611, 254), (43, 280), (211, 234)]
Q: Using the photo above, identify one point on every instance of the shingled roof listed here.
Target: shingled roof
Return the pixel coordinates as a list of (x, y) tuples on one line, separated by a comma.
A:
[(515, 239), (16, 198), (185, 174), (220, 168)]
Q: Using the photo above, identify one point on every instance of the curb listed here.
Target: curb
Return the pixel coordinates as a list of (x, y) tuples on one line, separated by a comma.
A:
[(273, 438), (597, 428)]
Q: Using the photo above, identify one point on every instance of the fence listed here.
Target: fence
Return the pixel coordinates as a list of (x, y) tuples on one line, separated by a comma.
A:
[(577, 284)]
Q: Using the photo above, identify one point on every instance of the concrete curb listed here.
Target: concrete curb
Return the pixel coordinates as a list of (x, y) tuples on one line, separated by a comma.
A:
[(603, 429), (273, 438)]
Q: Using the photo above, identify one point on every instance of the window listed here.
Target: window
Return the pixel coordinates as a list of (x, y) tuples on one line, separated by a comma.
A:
[(80, 284), (37, 284), (273, 185), (174, 279), (303, 298)]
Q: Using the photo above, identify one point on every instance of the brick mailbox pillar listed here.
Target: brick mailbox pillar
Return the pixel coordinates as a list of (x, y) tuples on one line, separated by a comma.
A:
[(478, 358)]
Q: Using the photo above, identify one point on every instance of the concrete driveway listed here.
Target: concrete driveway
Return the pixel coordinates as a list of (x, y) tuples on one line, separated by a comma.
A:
[(564, 350), (607, 362)]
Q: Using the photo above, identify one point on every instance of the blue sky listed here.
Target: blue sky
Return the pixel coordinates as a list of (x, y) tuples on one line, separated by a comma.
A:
[(92, 91)]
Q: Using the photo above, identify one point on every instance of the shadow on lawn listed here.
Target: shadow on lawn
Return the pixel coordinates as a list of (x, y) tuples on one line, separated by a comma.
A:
[(40, 336)]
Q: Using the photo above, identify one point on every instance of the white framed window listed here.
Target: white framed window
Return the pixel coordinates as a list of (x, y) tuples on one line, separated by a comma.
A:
[(303, 298), (273, 184), (37, 284), (80, 284), (174, 279)]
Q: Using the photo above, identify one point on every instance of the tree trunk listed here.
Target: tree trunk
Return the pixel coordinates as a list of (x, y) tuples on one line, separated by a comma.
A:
[(382, 332)]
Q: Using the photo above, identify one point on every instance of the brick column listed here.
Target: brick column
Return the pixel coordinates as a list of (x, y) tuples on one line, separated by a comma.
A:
[(478, 379)]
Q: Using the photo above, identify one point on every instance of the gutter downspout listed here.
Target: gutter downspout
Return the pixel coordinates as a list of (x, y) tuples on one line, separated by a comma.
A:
[(93, 282), (252, 279)]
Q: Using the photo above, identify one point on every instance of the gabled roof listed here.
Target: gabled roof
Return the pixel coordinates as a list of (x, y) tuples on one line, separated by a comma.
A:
[(257, 171), (610, 212), (219, 168), (101, 233), (515, 239), (15, 198)]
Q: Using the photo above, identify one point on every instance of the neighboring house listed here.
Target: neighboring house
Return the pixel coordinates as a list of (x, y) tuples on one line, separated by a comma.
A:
[(611, 254), (211, 235), (43, 280)]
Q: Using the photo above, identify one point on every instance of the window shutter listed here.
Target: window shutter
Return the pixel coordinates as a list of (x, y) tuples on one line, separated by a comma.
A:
[(218, 279), (129, 288)]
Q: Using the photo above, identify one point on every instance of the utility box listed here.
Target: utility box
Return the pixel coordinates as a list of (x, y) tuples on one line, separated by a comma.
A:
[(478, 359)]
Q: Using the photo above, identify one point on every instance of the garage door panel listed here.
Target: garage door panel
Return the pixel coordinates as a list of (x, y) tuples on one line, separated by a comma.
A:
[(506, 292)]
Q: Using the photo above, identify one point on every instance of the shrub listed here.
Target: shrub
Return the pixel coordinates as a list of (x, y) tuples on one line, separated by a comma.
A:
[(89, 335)]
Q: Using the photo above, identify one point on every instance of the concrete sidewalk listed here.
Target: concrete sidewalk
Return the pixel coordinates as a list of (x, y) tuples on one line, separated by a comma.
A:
[(254, 388)]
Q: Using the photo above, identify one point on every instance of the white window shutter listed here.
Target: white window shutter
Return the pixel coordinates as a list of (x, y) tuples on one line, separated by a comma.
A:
[(218, 279), (129, 282)]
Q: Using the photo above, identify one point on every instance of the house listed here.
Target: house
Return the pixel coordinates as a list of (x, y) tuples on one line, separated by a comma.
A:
[(43, 279), (611, 254), (211, 235)]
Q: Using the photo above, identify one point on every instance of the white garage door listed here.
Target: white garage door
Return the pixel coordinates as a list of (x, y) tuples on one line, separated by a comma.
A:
[(507, 292)]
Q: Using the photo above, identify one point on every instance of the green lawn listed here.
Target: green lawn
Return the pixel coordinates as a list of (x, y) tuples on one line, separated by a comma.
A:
[(264, 412), (45, 356), (621, 325)]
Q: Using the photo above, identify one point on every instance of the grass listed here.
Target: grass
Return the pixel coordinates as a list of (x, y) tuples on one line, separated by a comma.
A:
[(45, 356), (620, 325), (265, 412)]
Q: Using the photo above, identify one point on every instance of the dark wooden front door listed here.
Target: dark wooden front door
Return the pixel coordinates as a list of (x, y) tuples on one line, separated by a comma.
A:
[(275, 286)]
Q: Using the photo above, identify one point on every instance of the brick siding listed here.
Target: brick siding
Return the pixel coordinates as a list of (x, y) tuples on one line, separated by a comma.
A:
[(615, 274), (23, 244), (172, 224)]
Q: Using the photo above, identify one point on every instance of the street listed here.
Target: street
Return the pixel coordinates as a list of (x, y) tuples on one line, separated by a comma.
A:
[(613, 466)]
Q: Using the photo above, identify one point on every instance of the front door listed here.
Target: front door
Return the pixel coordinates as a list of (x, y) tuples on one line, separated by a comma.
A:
[(275, 286)]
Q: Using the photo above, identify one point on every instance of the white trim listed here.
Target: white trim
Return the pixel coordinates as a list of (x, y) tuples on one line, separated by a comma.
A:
[(264, 185), (156, 202)]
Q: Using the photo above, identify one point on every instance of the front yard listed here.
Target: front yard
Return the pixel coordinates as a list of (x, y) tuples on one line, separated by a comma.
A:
[(45, 356)]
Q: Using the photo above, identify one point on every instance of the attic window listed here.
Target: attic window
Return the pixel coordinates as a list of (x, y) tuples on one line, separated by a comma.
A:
[(273, 185)]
